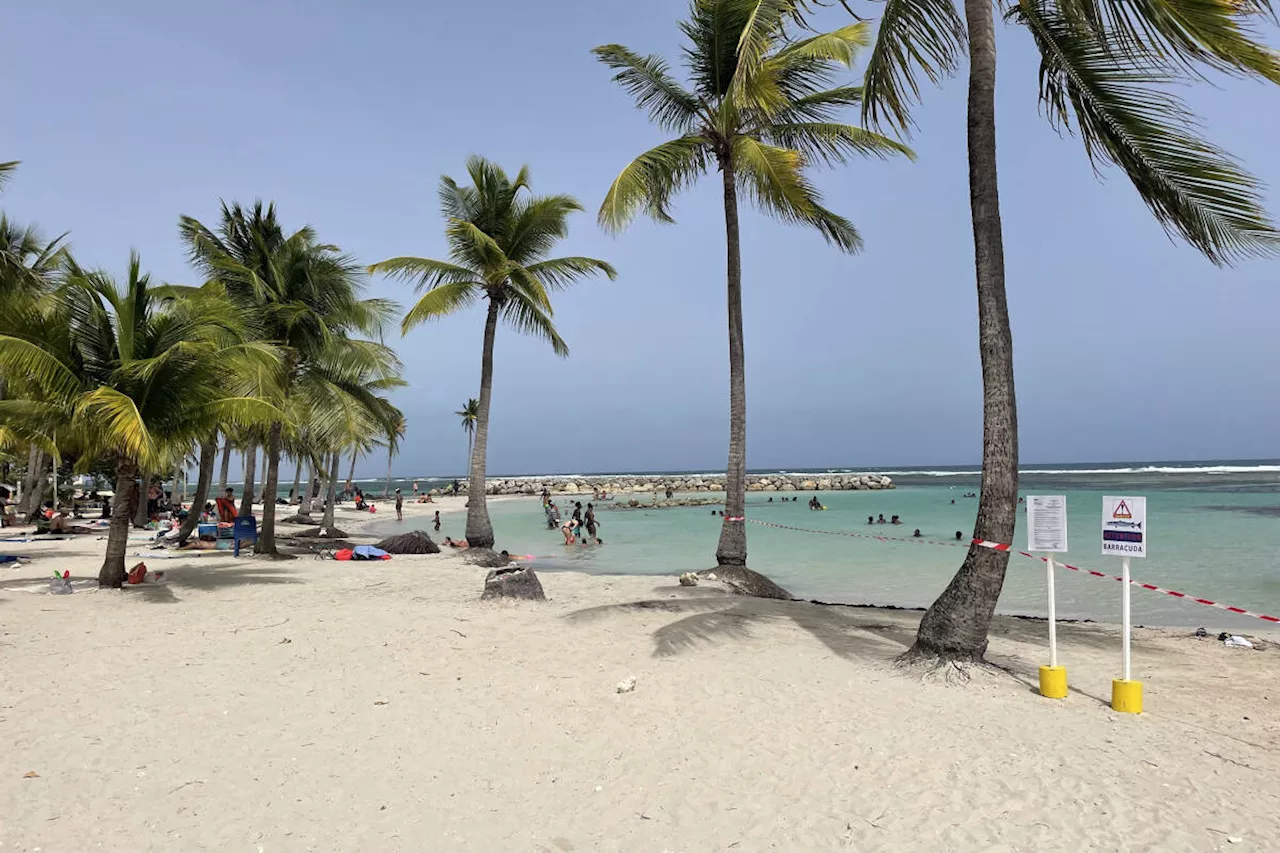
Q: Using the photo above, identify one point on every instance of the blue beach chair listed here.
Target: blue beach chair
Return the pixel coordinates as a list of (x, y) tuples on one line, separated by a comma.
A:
[(245, 530)]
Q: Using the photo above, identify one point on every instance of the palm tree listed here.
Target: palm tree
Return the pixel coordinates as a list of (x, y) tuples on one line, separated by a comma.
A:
[(499, 235), (469, 413), (395, 432), (140, 376), (304, 298), (1110, 65), (761, 109)]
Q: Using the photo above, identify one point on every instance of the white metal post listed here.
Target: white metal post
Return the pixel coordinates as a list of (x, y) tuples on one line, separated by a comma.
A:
[(1125, 618), (1053, 617)]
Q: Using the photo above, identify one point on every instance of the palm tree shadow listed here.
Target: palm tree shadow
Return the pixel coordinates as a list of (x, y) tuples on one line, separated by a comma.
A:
[(711, 619), (208, 578)]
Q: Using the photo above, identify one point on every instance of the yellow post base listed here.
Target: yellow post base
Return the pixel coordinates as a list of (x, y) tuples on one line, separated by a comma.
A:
[(1126, 696), (1053, 682)]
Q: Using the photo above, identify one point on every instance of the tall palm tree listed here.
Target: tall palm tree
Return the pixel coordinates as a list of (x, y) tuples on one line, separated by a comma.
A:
[(1109, 65), (140, 376), (395, 432), (303, 296), (469, 413), (761, 110), (499, 236)]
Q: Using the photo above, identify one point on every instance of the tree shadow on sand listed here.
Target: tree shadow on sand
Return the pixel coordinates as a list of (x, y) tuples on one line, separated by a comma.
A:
[(849, 633), (208, 578)]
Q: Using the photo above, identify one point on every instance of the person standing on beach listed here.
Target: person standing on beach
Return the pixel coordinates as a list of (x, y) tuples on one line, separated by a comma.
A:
[(415, 488), (399, 506)]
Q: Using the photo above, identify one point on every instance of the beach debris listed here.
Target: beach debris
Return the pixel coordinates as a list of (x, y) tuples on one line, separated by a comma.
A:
[(688, 579), (1236, 641), (515, 582), (382, 702), (1201, 632), (31, 774), (414, 542), (627, 685), (60, 584)]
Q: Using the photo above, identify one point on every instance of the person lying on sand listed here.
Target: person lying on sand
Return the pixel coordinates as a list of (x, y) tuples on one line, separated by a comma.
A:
[(61, 523), (460, 544)]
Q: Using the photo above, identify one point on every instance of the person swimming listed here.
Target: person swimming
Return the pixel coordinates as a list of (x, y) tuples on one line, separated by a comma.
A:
[(871, 519), (959, 535), (881, 520), (895, 520), (917, 533), (456, 543)]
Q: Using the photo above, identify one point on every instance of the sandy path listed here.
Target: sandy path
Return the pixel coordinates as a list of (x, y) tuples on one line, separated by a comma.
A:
[(309, 705)]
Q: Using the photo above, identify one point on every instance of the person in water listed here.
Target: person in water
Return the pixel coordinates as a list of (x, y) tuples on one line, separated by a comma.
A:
[(917, 533), (895, 520), (871, 519), (590, 521), (569, 529), (460, 544), (880, 520), (436, 522), (959, 535)]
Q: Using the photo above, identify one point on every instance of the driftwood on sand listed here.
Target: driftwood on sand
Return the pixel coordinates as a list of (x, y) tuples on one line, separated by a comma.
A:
[(414, 542)]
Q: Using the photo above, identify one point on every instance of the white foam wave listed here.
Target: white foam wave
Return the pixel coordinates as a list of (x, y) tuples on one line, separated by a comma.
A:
[(1148, 469)]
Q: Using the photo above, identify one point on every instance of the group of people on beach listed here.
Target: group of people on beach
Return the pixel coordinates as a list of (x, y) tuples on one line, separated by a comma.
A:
[(572, 527)]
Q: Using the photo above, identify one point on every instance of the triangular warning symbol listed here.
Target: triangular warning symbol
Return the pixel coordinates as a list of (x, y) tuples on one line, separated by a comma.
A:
[(1122, 511)]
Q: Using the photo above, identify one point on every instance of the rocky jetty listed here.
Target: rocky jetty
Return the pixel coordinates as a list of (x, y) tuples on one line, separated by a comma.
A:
[(640, 485)]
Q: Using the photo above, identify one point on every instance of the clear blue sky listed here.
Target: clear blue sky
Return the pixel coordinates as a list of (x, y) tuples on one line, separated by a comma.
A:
[(345, 114)]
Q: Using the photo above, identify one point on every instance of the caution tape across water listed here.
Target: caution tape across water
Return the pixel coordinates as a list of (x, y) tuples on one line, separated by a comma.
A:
[(997, 546)]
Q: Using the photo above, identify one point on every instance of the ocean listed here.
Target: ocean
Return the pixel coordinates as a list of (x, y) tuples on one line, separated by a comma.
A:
[(1213, 532)]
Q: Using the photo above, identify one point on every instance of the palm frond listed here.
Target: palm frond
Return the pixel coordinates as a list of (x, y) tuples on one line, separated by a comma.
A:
[(649, 181), (832, 143), (441, 301), (915, 37), (559, 273), (760, 32), (6, 171), (526, 316), (1126, 117), (648, 81), (423, 272), (1215, 33), (774, 179)]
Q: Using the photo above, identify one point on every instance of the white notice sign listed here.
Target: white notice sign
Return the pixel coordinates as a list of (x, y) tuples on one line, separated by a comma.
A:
[(1124, 527), (1047, 523)]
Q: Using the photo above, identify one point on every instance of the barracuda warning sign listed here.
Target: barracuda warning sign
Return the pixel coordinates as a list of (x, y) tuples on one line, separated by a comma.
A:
[(1124, 527)]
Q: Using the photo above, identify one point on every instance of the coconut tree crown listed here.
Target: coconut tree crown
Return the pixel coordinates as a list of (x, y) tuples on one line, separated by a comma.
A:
[(766, 106)]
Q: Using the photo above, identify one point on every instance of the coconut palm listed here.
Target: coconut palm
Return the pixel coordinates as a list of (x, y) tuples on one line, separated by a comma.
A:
[(140, 376), (469, 413), (395, 432), (761, 109), (499, 236), (1109, 65), (304, 297)]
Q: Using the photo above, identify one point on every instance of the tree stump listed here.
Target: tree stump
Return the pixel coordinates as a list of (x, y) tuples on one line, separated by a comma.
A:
[(514, 582)]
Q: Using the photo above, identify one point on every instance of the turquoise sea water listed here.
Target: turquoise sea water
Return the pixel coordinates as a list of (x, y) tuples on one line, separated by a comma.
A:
[(1214, 531)]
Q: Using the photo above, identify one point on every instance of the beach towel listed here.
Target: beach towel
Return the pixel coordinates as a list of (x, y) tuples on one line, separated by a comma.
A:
[(344, 554), (368, 552), (226, 510)]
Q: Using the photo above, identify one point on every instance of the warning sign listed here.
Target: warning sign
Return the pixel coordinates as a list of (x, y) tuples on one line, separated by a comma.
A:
[(1124, 527)]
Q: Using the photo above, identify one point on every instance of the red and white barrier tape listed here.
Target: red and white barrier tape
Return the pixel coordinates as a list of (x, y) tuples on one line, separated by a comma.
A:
[(998, 546)]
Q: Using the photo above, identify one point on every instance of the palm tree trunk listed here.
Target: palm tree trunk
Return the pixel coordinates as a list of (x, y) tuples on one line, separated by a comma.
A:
[(479, 528), (297, 480), (112, 573), (175, 496), (140, 514), (955, 626), (332, 497), (388, 489), (250, 471), (732, 549), (313, 477), (351, 473), (35, 461), (35, 503), (267, 535), (208, 455), (226, 466)]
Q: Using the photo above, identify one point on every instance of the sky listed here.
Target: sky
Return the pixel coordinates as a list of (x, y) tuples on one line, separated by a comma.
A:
[(1127, 345)]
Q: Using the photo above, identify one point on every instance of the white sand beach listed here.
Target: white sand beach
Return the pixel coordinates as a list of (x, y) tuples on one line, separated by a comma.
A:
[(306, 705)]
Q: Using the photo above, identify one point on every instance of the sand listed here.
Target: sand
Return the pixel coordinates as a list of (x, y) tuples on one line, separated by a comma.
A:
[(305, 705)]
